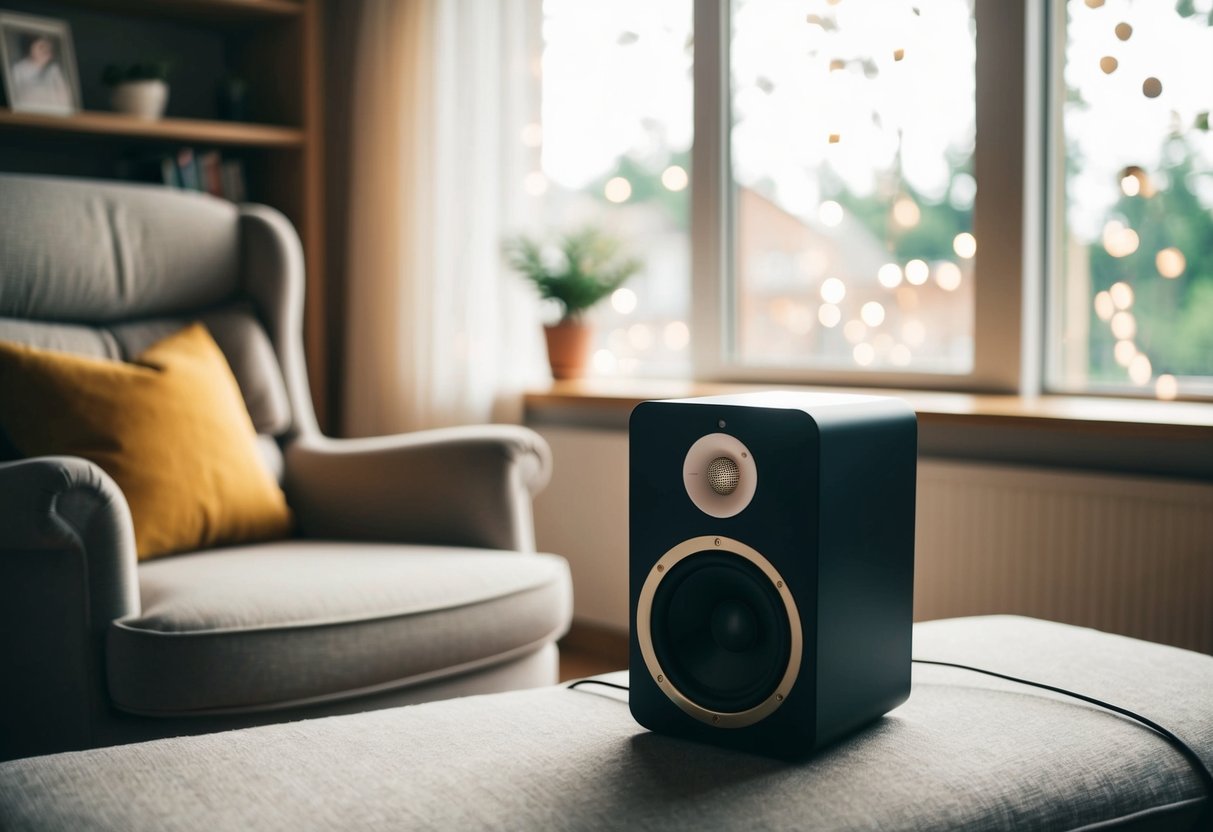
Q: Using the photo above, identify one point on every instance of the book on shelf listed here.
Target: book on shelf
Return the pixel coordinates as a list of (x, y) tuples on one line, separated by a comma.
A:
[(206, 171)]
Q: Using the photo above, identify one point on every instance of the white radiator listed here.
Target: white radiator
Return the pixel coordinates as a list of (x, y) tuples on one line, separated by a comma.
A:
[(1125, 554)]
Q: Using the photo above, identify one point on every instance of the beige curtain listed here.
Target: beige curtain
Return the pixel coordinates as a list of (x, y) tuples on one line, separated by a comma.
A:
[(438, 331)]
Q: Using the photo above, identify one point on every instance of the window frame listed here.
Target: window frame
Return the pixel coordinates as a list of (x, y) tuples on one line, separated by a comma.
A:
[(1009, 160)]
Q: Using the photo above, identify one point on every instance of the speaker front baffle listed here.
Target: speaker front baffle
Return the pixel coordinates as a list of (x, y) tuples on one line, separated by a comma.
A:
[(771, 566)]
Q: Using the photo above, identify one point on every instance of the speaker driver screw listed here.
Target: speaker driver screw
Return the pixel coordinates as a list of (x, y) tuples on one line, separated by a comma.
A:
[(660, 678), (715, 719), (660, 568), (779, 697), (718, 541)]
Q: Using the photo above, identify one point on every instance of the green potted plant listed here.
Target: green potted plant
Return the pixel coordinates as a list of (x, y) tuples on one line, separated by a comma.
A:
[(139, 90), (583, 268)]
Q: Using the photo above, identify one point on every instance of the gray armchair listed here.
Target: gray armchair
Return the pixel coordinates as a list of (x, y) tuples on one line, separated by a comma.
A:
[(413, 576)]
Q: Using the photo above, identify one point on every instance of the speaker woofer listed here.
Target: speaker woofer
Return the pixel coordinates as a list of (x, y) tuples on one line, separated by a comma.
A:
[(719, 631)]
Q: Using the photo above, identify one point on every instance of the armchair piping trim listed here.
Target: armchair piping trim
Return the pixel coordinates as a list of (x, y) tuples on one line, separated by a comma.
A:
[(125, 624)]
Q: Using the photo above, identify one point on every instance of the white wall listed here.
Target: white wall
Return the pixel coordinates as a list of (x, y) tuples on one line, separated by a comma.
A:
[(583, 515)]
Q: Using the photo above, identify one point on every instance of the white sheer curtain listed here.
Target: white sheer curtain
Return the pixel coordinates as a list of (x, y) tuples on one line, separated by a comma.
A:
[(438, 331)]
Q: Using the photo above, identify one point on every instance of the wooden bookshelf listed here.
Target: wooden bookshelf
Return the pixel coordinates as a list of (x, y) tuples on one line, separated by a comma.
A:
[(274, 45), (182, 130), (198, 10)]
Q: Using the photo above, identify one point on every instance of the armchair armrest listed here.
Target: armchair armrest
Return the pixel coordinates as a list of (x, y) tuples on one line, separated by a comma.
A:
[(469, 486), (67, 569)]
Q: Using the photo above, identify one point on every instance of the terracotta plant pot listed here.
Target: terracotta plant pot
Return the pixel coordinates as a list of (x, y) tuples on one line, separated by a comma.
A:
[(569, 348)]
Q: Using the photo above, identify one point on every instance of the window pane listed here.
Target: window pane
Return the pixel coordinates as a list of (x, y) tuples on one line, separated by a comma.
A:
[(852, 147), (616, 141), (1134, 298)]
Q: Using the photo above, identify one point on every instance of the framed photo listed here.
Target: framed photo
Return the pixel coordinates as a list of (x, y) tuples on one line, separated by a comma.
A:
[(38, 64)]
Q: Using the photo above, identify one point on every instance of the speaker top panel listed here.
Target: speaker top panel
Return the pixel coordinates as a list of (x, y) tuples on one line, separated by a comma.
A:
[(820, 406)]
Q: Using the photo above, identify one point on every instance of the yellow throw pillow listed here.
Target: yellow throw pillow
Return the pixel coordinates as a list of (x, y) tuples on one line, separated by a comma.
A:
[(171, 429)]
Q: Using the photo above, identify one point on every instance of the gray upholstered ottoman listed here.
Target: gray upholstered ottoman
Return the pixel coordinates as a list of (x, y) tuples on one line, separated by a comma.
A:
[(966, 751)]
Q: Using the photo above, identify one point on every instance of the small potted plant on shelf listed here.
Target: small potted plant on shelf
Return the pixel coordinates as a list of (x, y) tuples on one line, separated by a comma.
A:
[(139, 90), (581, 270)]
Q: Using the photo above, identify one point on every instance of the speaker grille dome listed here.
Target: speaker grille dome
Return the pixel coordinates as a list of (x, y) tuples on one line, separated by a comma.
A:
[(723, 475)]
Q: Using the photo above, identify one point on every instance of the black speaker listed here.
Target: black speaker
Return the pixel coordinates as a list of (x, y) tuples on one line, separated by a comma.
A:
[(771, 566)]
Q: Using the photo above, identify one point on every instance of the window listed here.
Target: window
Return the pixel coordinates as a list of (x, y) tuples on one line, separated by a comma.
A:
[(964, 194), (1133, 259), (851, 149), (616, 140)]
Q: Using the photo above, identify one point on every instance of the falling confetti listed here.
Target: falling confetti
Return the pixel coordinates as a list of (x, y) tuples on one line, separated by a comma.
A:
[(1124, 31), (1108, 64), (1151, 87)]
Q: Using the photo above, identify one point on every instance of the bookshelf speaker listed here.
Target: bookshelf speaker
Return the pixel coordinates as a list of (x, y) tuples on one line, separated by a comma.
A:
[(771, 566)]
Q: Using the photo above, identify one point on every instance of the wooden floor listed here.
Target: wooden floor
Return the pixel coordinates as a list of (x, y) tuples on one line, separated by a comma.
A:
[(589, 649)]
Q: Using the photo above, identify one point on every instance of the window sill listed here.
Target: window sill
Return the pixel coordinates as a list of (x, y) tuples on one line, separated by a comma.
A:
[(1125, 435)]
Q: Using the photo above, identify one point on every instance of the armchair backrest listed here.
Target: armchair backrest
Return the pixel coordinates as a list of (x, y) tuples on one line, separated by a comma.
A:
[(106, 269)]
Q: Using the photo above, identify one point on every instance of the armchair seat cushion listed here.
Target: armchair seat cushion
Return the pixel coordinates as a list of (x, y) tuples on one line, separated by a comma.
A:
[(297, 622)]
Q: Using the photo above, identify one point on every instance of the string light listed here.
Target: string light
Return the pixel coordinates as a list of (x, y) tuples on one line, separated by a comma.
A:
[(947, 275), (889, 275), (617, 189), (1170, 262), (1124, 325), (640, 337), (829, 315), (1140, 370), (872, 313), (1104, 308), (1118, 240), (833, 290), (830, 213), (906, 212), (965, 245), (676, 335), (1122, 294), (1124, 352), (674, 178), (917, 272), (623, 300), (1166, 387)]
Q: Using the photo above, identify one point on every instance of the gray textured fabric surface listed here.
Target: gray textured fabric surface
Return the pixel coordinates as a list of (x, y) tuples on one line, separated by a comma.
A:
[(89, 251), (455, 486), (272, 269), (67, 569), (288, 622), (965, 752)]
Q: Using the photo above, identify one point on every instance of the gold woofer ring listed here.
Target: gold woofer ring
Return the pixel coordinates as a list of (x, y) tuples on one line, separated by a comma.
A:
[(644, 631)]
